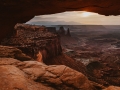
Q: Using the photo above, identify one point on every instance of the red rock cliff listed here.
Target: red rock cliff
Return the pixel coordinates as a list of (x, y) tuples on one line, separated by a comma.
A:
[(33, 39)]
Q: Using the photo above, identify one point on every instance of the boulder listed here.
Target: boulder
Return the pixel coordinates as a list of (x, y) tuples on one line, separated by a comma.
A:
[(34, 75), (58, 76)]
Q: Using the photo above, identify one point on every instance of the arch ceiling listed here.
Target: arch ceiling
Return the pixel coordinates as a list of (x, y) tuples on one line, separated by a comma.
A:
[(20, 11)]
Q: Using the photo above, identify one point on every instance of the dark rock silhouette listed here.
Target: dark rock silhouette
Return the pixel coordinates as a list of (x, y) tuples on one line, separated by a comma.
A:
[(61, 31), (68, 32), (51, 29), (21, 11)]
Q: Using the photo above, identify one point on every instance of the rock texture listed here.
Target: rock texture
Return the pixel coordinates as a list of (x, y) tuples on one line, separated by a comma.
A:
[(12, 78), (21, 11), (33, 39), (61, 77), (67, 61), (11, 52), (33, 75)]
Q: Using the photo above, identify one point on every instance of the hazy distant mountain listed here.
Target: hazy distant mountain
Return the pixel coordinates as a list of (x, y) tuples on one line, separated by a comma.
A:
[(81, 27), (112, 26), (53, 23)]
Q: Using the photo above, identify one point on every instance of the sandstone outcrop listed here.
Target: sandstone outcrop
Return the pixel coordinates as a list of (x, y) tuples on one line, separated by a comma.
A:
[(20, 26), (33, 75), (42, 46), (12, 78), (21, 11), (59, 76), (33, 39), (67, 61), (12, 52)]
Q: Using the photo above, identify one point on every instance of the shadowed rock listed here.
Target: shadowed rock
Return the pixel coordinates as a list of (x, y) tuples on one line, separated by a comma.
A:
[(11, 52), (21, 11)]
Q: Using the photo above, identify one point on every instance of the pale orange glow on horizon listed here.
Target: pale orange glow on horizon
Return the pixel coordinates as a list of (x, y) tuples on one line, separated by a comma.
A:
[(75, 18)]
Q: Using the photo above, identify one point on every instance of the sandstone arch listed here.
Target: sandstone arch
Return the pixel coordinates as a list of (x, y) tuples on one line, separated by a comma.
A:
[(12, 11)]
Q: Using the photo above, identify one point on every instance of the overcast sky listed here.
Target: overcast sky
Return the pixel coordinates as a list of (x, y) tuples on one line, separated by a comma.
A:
[(75, 18)]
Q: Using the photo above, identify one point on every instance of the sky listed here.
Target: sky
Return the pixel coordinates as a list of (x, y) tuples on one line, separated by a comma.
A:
[(75, 18)]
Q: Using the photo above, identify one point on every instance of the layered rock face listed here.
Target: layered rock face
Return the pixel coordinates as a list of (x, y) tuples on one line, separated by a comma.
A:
[(34, 39)]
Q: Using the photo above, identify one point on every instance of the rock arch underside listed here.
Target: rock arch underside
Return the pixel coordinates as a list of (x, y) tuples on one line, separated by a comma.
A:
[(20, 11), (45, 47)]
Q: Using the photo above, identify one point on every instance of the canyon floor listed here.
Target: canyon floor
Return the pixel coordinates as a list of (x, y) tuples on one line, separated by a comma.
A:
[(98, 48)]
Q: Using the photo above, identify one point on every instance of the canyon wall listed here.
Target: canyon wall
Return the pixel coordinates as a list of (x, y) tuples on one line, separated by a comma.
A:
[(33, 40)]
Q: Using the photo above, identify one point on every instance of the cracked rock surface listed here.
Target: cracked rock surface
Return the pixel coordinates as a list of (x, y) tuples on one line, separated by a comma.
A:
[(33, 75)]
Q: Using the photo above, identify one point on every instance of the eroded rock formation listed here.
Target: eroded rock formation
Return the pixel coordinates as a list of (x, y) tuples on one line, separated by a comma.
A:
[(11, 52), (68, 32), (21, 11), (41, 45), (34, 75), (33, 39)]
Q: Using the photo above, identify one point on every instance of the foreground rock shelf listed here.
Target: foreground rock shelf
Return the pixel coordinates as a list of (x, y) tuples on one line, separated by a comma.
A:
[(34, 75)]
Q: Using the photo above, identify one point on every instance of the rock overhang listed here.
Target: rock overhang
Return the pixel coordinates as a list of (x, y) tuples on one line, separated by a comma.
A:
[(21, 11)]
